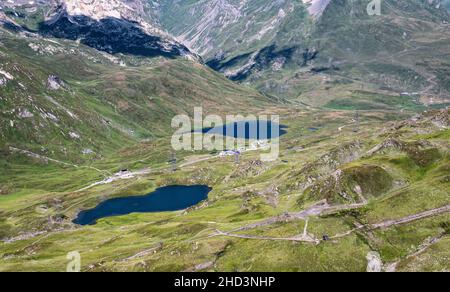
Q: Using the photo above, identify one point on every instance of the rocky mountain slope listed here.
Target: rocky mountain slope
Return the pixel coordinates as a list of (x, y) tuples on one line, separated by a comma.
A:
[(111, 26), (76, 87), (288, 48), (224, 29)]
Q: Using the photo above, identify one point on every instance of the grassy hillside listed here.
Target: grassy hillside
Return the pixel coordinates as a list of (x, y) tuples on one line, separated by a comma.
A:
[(60, 98), (229, 29), (252, 219), (402, 52), (363, 169), (307, 58)]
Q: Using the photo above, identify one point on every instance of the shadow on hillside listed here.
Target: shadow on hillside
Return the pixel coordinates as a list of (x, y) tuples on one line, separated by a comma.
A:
[(264, 59), (110, 35)]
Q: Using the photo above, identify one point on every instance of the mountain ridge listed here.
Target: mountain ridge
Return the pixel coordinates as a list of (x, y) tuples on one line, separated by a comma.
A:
[(68, 93), (113, 25), (313, 34)]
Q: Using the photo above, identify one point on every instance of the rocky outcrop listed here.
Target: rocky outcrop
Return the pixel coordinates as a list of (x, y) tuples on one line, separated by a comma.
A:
[(322, 177), (422, 152), (352, 185), (271, 195), (389, 144), (440, 119), (5, 77), (316, 7), (4, 190), (330, 162), (112, 35), (425, 121), (112, 26), (54, 82), (25, 113), (249, 169), (374, 262), (269, 57)]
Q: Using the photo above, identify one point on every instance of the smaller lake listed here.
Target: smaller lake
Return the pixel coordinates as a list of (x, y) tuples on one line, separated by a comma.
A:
[(250, 130), (313, 129), (171, 198)]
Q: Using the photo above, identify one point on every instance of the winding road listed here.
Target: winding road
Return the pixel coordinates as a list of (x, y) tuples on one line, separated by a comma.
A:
[(324, 209)]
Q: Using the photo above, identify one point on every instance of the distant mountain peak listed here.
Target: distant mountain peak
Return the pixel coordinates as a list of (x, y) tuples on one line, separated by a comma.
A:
[(98, 9), (130, 10), (113, 26)]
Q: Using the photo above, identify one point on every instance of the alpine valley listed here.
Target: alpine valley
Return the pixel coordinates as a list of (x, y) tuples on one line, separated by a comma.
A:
[(88, 91)]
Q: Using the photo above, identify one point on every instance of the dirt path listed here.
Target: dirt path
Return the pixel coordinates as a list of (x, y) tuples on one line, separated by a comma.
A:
[(141, 254), (300, 238), (197, 161), (108, 176), (321, 209), (116, 177), (46, 159), (392, 267), (411, 218), (130, 174)]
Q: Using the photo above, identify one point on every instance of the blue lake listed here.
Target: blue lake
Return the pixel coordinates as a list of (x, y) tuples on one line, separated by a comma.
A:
[(171, 198), (313, 129), (254, 130)]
